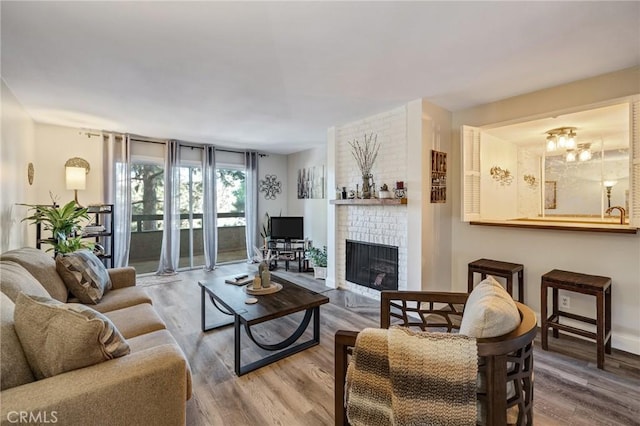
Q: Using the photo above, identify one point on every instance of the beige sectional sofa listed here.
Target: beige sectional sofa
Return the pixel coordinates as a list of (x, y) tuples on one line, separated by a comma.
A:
[(150, 385)]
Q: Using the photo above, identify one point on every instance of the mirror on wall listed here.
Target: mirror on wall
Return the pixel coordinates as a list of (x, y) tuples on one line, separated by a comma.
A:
[(572, 167), (588, 188)]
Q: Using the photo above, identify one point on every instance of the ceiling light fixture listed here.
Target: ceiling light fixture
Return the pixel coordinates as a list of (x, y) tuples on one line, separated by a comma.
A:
[(561, 138), (584, 152)]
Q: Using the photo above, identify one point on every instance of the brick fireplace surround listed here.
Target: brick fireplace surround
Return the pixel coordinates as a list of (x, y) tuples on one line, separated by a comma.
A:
[(372, 223)]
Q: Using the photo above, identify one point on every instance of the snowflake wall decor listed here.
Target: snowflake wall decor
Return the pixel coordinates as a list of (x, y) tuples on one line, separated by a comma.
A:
[(270, 186)]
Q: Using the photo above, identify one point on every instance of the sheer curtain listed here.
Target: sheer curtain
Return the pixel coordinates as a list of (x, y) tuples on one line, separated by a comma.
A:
[(170, 254), (209, 208), (251, 201), (117, 190)]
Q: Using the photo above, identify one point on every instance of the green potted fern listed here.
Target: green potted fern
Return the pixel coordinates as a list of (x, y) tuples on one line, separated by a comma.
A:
[(318, 258), (63, 222)]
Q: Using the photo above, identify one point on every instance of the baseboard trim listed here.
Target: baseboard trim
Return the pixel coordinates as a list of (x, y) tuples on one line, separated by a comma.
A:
[(619, 340)]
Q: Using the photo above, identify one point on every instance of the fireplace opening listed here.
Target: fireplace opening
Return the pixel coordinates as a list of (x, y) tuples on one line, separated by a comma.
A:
[(372, 265)]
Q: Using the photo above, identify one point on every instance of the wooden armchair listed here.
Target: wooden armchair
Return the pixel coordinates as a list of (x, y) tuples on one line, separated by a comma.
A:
[(503, 359)]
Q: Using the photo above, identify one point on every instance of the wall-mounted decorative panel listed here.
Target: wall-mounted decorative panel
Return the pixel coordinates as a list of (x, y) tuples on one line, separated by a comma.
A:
[(438, 177)]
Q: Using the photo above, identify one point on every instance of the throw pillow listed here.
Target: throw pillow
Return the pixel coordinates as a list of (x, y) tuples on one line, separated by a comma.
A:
[(490, 311), (15, 279), (42, 266), (84, 275), (15, 367), (58, 337)]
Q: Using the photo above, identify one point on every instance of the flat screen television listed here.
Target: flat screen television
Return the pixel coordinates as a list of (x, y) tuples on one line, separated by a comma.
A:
[(287, 228)]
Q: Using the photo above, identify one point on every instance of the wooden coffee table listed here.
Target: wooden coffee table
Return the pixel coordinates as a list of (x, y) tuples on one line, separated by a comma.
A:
[(230, 300)]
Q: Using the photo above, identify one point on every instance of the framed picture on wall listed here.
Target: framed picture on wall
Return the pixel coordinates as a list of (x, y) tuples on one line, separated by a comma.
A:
[(311, 182), (550, 195)]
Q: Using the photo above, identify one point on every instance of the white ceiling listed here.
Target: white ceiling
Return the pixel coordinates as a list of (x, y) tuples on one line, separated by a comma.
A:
[(274, 76)]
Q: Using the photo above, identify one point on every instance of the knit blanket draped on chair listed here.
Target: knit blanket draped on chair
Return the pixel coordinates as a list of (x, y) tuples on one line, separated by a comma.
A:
[(400, 377)]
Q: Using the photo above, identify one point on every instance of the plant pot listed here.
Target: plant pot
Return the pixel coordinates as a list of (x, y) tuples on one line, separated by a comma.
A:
[(320, 272)]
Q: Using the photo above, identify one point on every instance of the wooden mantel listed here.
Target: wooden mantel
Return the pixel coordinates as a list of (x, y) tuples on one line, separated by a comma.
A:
[(369, 202)]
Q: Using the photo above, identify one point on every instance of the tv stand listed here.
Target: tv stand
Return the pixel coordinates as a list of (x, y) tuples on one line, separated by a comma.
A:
[(288, 250)]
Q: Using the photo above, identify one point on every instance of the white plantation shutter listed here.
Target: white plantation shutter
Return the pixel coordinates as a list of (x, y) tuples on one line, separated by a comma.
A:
[(634, 172), (470, 173)]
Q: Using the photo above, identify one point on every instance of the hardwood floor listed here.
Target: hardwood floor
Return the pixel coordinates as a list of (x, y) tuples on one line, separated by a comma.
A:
[(298, 390)]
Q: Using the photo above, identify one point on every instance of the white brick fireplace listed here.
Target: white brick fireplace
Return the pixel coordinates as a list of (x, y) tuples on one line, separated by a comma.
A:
[(376, 224), (420, 230)]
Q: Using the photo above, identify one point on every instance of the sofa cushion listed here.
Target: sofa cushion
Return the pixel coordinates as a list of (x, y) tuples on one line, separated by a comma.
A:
[(136, 320), (14, 279), (155, 339), (151, 340), (84, 275), (15, 367), (58, 337), (122, 277), (120, 298), (490, 311), (43, 268)]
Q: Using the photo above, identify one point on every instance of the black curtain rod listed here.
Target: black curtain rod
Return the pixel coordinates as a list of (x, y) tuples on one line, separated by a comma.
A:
[(163, 142), (193, 146)]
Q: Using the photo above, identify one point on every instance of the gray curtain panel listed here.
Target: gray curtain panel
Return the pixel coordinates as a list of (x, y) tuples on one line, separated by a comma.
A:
[(209, 208), (251, 201), (170, 253), (117, 189)]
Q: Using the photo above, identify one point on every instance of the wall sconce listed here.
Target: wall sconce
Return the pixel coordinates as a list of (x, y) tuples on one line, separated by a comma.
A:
[(76, 171), (501, 175), (531, 181)]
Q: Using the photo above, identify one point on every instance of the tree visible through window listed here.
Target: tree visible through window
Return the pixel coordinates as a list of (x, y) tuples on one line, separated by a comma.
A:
[(147, 195), (230, 196)]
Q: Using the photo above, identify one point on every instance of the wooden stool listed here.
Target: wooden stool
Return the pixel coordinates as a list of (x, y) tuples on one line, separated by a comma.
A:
[(600, 287), (498, 269)]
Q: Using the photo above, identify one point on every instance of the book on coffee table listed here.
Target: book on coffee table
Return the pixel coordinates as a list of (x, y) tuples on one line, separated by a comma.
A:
[(239, 280)]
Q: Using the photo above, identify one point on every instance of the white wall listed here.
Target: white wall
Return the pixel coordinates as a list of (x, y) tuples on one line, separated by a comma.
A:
[(529, 196), (17, 147), (273, 164), (430, 244), (54, 146), (314, 210), (499, 200), (613, 255)]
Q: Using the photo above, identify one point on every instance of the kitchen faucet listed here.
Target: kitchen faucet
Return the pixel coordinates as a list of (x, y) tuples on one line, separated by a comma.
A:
[(623, 212)]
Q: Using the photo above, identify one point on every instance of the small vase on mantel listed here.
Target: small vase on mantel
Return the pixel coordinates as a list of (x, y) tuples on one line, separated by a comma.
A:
[(366, 186)]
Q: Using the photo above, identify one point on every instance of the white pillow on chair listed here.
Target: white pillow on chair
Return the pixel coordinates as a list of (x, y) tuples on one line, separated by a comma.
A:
[(490, 311)]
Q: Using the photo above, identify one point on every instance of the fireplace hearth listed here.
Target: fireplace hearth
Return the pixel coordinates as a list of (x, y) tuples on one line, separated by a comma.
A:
[(372, 265)]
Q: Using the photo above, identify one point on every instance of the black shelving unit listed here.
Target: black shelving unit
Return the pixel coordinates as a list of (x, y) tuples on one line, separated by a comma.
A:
[(100, 215), (103, 216)]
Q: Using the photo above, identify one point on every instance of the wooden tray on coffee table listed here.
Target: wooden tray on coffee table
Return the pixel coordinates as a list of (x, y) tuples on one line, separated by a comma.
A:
[(273, 288)]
